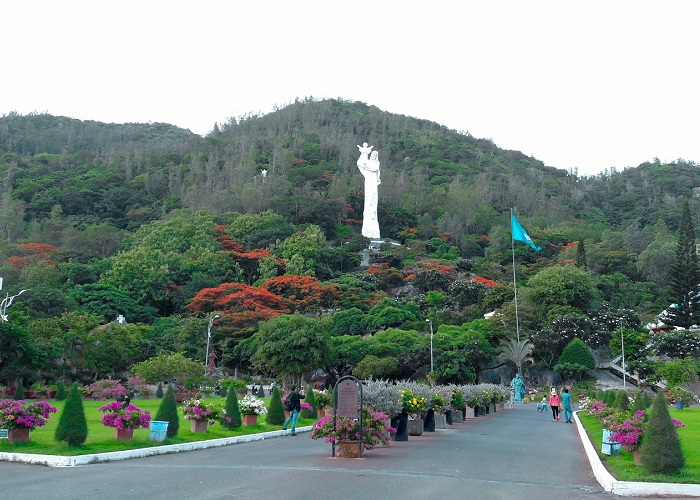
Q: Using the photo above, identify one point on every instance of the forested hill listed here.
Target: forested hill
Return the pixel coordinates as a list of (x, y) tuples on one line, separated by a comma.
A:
[(433, 178), (43, 133)]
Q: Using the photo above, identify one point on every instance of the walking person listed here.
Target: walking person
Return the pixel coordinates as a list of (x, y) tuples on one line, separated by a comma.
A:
[(554, 404), (568, 406), (293, 404)]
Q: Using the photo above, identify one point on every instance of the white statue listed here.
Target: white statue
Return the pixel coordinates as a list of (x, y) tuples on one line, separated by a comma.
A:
[(368, 163)]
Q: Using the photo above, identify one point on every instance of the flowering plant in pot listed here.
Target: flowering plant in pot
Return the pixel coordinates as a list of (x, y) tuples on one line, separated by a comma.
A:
[(375, 429), (198, 411), (323, 399), (413, 404), (18, 414), (251, 405), (121, 418)]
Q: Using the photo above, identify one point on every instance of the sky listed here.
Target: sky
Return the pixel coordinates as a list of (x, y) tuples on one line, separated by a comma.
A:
[(578, 85)]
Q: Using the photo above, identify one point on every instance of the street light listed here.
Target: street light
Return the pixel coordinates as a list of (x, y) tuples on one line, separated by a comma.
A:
[(431, 343), (624, 373), (206, 357)]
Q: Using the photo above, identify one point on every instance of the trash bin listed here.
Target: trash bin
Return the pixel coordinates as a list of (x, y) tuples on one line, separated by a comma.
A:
[(158, 430), (609, 447)]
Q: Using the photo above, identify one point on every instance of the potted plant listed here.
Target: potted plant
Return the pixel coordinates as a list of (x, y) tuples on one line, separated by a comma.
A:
[(201, 414), (323, 401), (346, 432), (41, 391), (682, 397), (124, 418), (415, 405), (20, 418), (251, 407)]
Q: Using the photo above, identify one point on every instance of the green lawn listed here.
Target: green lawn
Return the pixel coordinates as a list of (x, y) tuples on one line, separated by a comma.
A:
[(622, 466), (101, 439)]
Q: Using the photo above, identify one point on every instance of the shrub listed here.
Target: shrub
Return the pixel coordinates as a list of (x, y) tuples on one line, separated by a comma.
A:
[(609, 397), (167, 412), (622, 401), (107, 389), (661, 448), (61, 391), (577, 353), (275, 414), (231, 418), (159, 390), (645, 400), (311, 401), (19, 392), (72, 425), (638, 403)]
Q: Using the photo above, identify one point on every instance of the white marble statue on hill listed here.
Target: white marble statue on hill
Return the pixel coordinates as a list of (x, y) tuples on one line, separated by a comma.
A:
[(368, 163)]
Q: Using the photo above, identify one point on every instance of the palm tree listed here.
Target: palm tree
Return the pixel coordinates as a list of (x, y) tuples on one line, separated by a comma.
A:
[(517, 351)]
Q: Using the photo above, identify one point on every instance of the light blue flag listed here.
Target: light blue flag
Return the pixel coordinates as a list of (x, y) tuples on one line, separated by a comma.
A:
[(520, 234)]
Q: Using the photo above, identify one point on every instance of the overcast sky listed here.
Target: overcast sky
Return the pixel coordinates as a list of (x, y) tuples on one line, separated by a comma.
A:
[(587, 85)]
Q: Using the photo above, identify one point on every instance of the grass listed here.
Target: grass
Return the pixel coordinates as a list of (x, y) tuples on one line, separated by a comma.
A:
[(622, 466), (101, 439)]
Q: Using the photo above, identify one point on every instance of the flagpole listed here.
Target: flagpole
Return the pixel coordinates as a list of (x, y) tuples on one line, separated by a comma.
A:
[(515, 286)]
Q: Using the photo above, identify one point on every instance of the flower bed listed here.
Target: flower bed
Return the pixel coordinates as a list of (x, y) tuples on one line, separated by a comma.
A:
[(376, 429), (124, 417)]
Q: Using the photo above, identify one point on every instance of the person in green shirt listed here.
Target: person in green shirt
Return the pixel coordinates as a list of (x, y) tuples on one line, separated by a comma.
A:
[(568, 405)]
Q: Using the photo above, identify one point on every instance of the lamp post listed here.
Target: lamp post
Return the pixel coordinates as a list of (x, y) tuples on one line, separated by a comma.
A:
[(206, 357), (431, 343), (624, 373)]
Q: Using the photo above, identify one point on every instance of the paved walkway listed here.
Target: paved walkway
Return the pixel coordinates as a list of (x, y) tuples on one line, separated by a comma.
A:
[(514, 454)]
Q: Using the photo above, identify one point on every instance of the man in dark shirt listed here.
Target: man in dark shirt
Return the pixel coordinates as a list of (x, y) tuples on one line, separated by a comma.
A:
[(295, 399)]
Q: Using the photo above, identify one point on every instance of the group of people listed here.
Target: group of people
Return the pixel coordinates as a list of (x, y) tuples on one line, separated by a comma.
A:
[(555, 403)]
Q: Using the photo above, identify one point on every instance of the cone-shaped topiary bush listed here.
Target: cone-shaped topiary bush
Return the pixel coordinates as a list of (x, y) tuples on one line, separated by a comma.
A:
[(61, 391), (19, 392), (311, 400), (72, 425), (224, 391), (232, 411), (622, 401), (261, 391), (609, 398), (167, 412), (661, 448), (275, 414), (645, 400), (159, 390), (638, 403)]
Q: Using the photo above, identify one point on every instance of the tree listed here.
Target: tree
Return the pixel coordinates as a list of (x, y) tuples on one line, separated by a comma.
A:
[(372, 367), (517, 351), (292, 344), (685, 277), (19, 392), (168, 367), (275, 413), (579, 353), (233, 413), (72, 425), (581, 255), (167, 412), (661, 448), (561, 286), (61, 392)]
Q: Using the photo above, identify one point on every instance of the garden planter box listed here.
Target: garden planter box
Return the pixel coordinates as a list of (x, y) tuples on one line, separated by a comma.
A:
[(123, 434), (440, 421), (18, 435), (199, 426), (457, 416), (471, 412), (415, 427), (350, 449), (250, 420)]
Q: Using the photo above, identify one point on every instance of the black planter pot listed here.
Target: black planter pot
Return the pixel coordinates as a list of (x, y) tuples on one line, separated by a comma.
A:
[(464, 414), (448, 417), (486, 407), (400, 422), (429, 421)]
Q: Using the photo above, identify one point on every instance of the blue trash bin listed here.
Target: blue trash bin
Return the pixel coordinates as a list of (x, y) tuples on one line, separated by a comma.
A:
[(158, 430), (609, 447)]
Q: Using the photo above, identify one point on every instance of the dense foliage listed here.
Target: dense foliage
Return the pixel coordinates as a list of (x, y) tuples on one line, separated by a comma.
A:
[(259, 223)]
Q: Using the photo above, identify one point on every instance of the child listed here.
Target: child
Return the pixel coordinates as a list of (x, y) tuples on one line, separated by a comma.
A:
[(542, 405)]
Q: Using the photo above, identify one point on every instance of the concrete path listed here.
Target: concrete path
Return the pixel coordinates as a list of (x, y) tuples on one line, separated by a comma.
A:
[(514, 454)]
